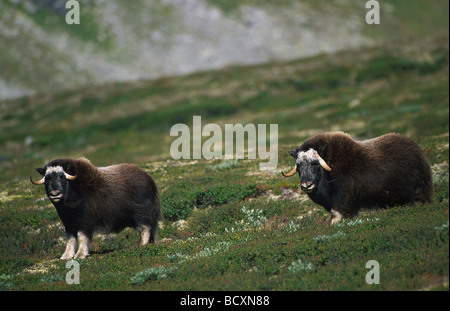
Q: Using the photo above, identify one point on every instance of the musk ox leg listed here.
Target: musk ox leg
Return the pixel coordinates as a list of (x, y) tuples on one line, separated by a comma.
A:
[(154, 234), (70, 247), (336, 217), (145, 234), (83, 242)]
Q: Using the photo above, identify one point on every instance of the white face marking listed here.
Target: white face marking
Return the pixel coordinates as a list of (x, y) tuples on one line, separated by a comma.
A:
[(306, 156), (54, 169)]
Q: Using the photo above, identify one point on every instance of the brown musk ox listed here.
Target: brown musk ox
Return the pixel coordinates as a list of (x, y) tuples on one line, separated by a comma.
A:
[(89, 199), (343, 174)]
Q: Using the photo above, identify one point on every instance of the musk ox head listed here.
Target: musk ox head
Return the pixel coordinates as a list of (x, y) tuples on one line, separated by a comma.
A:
[(310, 166), (56, 180)]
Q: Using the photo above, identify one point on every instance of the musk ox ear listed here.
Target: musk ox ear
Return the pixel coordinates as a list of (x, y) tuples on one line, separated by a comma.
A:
[(293, 153), (41, 171), (69, 169), (322, 150)]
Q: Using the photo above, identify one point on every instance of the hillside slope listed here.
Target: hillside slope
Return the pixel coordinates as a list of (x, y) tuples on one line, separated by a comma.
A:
[(129, 40)]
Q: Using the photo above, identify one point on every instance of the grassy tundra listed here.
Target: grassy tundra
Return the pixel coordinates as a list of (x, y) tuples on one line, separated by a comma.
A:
[(228, 225)]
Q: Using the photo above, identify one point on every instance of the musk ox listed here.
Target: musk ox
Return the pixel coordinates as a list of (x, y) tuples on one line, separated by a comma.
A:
[(343, 174), (89, 199)]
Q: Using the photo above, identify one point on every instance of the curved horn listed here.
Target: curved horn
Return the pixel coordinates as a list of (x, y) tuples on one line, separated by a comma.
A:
[(70, 177), (39, 182), (322, 162), (291, 173)]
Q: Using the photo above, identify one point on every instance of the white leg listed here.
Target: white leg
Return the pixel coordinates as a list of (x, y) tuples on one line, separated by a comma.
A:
[(70, 247), (337, 217), (154, 234), (83, 245), (145, 235)]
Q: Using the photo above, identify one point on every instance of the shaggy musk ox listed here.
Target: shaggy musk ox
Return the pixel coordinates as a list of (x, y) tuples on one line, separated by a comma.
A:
[(343, 175), (108, 199)]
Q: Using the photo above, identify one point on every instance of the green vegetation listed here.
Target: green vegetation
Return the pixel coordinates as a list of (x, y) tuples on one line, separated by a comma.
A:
[(229, 226)]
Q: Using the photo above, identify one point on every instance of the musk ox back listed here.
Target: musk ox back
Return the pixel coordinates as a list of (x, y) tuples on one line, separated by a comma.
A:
[(107, 199), (343, 175)]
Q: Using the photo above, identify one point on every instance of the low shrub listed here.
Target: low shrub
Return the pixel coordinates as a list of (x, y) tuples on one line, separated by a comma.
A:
[(179, 201)]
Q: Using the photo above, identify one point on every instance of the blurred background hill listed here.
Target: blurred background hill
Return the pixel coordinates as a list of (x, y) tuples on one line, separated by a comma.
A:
[(120, 40)]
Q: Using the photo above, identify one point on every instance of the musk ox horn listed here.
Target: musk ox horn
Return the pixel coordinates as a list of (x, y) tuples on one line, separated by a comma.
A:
[(39, 182), (322, 162), (291, 173), (70, 177)]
